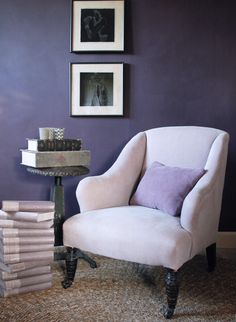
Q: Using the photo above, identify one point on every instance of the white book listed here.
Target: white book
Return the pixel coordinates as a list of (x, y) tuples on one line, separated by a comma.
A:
[(24, 281), (35, 240), (7, 223), (15, 249), (5, 276), (28, 205), (25, 289), (22, 266), (21, 232), (26, 257), (27, 216), (47, 159)]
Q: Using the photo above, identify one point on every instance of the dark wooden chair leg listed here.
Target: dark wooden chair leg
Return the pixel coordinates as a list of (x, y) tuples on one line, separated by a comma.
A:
[(71, 265), (211, 257), (172, 291)]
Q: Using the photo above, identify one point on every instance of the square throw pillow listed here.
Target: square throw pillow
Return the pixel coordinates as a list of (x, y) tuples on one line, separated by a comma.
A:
[(165, 188)]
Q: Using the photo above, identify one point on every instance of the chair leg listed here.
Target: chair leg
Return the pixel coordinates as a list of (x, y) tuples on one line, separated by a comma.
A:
[(172, 291), (71, 265), (211, 257)]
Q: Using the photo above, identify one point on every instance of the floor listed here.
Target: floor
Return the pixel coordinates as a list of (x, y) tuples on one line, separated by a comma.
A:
[(229, 253)]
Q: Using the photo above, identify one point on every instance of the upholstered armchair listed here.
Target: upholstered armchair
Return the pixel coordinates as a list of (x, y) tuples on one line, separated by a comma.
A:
[(108, 225)]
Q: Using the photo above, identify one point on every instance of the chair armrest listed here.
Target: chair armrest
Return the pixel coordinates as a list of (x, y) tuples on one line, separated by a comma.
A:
[(201, 208), (115, 186)]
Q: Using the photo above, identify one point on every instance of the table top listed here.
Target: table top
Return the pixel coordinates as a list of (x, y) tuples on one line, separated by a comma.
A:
[(60, 171)]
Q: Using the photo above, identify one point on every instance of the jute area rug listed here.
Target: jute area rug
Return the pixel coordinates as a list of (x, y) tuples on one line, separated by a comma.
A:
[(126, 292)]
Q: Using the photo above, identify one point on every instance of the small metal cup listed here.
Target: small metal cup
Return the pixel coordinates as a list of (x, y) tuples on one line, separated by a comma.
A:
[(59, 133), (51, 133)]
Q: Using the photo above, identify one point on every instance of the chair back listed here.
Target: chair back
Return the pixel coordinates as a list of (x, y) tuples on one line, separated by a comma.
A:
[(182, 146)]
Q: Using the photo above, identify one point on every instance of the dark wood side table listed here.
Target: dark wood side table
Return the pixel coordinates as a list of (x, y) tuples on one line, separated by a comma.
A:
[(57, 195)]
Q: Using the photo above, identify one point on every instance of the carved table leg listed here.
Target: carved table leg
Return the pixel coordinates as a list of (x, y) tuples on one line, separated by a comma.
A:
[(71, 265), (211, 257), (172, 290), (57, 195), (71, 257)]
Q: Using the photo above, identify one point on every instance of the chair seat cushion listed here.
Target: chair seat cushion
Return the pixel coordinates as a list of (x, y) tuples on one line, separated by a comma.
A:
[(133, 233)]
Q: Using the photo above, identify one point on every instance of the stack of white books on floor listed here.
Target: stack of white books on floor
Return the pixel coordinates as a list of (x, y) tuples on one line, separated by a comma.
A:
[(26, 246)]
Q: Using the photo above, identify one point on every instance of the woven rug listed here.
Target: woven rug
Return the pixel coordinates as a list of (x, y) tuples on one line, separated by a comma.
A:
[(127, 292)]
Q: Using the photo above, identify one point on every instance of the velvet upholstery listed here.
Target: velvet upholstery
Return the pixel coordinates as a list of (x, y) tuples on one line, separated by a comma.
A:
[(142, 235), (108, 226), (115, 186), (165, 188)]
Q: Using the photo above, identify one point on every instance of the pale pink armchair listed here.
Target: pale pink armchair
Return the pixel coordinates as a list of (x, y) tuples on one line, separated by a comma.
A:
[(109, 226)]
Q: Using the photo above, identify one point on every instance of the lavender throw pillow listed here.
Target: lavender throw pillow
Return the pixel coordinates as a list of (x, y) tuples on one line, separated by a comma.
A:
[(165, 188)]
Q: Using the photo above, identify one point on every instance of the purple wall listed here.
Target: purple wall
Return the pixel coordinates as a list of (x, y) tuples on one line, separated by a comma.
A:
[(181, 70)]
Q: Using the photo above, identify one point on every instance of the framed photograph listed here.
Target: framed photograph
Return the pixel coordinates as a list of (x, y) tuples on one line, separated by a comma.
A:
[(97, 25), (96, 89)]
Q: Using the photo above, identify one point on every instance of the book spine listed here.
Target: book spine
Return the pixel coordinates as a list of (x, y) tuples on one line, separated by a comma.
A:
[(26, 289), (18, 267), (26, 205), (5, 223), (27, 240), (26, 257), (15, 232), (56, 145), (5, 276), (25, 281), (27, 216), (14, 249)]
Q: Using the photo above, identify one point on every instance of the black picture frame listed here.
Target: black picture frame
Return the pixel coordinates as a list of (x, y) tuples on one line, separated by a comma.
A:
[(96, 89), (97, 26)]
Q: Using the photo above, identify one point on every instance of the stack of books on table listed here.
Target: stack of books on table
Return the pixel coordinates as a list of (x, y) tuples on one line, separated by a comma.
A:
[(54, 153), (26, 246)]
